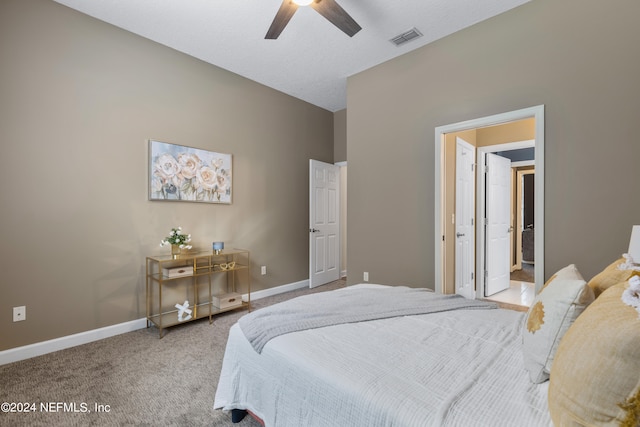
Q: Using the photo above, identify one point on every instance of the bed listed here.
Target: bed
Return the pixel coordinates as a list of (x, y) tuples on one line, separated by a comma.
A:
[(461, 367)]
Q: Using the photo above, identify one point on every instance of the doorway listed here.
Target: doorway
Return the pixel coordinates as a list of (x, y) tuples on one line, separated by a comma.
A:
[(442, 194)]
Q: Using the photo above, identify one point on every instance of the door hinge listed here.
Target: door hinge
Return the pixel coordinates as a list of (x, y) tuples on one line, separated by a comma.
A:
[(443, 237), (472, 167), (472, 275), (471, 221)]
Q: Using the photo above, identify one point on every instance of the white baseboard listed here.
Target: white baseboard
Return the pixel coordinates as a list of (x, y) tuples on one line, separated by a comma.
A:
[(278, 290), (44, 347)]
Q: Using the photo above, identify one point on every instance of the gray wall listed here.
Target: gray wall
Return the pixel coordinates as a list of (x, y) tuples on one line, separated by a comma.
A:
[(577, 57), (78, 100), (340, 136)]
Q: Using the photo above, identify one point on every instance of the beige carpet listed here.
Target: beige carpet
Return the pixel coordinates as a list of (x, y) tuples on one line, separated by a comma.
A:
[(145, 381)]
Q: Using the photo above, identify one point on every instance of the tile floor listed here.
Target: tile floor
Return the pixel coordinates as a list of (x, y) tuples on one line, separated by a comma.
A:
[(519, 293)]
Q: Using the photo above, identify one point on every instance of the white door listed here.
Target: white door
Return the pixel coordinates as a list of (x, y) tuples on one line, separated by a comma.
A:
[(324, 223), (498, 202), (464, 219)]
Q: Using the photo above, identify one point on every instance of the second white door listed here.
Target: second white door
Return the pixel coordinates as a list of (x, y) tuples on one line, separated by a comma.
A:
[(498, 224), (464, 219)]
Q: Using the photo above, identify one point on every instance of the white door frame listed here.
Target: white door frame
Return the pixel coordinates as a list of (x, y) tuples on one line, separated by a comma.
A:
[(343, 217), (537, 113)]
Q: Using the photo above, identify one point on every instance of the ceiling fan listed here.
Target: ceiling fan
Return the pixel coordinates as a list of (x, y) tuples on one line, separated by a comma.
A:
[(327, 8)]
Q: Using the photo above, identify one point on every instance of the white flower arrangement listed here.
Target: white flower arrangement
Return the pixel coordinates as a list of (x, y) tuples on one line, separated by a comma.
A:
[(177, 238), (628, 264), (631, 295)]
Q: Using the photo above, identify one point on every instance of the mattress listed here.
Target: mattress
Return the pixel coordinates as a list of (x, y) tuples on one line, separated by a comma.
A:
[(461, 368)]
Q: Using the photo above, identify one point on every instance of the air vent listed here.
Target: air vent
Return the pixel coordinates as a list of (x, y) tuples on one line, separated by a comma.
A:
[(406, 36)]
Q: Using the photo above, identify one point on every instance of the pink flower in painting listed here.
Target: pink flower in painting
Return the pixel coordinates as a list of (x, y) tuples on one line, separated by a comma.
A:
[(217, 163), (189, 164), (207, 178), (167, 166), (223, 181)]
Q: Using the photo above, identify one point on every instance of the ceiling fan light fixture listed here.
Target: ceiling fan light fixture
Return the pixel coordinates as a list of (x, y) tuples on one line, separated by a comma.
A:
[(329, 9)]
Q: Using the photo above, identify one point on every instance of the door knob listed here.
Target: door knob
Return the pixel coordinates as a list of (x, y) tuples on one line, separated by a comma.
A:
[(459, 234), (313, 230)]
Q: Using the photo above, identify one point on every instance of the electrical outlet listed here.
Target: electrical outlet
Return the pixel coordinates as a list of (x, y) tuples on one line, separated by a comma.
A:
[(365, 276), (19, 313), (263, 270)]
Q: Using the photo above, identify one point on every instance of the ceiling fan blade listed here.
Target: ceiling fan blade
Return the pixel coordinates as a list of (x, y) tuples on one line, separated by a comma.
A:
[(286, 11), (337, 16)]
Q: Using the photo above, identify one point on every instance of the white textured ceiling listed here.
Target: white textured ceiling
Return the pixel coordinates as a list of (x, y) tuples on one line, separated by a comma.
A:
[(311, 59)]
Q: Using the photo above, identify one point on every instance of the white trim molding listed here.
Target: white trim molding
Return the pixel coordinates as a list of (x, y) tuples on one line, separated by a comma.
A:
[(44, 347), (277, 290), (38, 349)]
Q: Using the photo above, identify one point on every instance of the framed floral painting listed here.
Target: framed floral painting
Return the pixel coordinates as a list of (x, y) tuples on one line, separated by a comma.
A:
[(180, 173)]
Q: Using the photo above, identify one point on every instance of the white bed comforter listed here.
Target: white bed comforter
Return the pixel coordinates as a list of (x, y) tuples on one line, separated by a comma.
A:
[(461, 368)]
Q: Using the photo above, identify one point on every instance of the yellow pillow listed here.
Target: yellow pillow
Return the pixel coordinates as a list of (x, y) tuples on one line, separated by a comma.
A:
[(595, 379), (610, 276), (555, 308)]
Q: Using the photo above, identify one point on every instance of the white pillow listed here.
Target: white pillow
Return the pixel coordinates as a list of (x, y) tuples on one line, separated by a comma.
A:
[(555, 308)]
